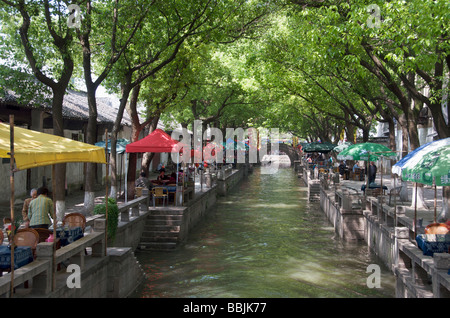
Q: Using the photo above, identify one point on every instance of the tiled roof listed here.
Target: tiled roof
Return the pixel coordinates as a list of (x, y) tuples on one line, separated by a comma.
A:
[(75, 106)]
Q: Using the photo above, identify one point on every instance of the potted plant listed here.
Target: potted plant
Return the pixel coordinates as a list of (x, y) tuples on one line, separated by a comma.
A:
[(113, 216)]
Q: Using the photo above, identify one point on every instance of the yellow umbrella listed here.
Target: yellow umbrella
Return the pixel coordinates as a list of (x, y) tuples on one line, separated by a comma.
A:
[(33, 149)]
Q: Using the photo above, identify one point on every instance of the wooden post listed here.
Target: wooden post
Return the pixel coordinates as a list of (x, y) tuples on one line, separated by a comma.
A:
[(106, 195), (184, 177), (11, 202), (55, 224), (395, 202), (415, 211), (435, 198), (367, 173)]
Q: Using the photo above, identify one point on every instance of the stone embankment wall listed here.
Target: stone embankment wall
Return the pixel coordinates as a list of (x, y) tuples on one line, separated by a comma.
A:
[(168, 227), (390, 234), (82, 269)]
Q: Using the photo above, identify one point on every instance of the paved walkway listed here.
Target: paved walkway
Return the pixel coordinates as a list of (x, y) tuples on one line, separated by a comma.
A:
[(75, 200), (426, 214)]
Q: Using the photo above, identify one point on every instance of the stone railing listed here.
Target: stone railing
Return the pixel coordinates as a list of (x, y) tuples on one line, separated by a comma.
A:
[(391, 234), (134, 207), (224, 172), (421, 276), (348, 200), (132, 216), (40, 272)]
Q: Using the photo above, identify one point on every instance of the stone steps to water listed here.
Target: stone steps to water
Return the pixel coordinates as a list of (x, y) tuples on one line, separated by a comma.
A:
[(161, 221), (314, 191), (161, 230), (158, 246), (160, 237)]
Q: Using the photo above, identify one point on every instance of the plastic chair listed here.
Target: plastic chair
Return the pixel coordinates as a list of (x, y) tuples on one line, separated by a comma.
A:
[(43, 234), (138, 192), (27, 237), (74, 220), (356, 174), (158, 193), (395, 192)]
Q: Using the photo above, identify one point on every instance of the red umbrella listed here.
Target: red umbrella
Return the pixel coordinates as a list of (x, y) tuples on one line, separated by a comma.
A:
[(157, 141)]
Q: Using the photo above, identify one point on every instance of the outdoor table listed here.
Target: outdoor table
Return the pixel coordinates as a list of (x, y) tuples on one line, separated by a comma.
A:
[(171, 190), (69, 235), (372, 186), (22, 256), (433, 243)]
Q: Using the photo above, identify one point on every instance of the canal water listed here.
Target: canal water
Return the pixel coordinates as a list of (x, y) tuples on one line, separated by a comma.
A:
[(265, 240)]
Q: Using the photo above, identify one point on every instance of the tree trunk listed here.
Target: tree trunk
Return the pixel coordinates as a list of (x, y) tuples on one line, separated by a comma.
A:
[(91, 138), (392, 144), (135, 132), (126, 89), (146, 159), (60, 169), (405, 149), (350, 133), (405, 141), (148, 156), (445, 213), (365, 135), (420, 197)]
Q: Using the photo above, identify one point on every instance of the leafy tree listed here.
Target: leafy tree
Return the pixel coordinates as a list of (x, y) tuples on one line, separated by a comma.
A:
[(168, 26), (110, 27), (47, 42)]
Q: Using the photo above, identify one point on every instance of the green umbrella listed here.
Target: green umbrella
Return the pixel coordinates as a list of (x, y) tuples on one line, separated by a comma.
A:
[(433, 165), (323, 147), (429, 164), (367, 151), (342, 146)]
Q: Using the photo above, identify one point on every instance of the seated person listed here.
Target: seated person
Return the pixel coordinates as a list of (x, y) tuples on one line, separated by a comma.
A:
[(142, 181), (173, 178), (162, 176), (344, 171)]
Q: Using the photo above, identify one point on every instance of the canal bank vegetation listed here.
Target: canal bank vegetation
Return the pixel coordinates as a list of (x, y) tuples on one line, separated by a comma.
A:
[(316, 69)]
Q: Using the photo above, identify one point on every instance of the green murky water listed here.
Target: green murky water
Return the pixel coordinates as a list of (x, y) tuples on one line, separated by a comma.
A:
[(264, 240)]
